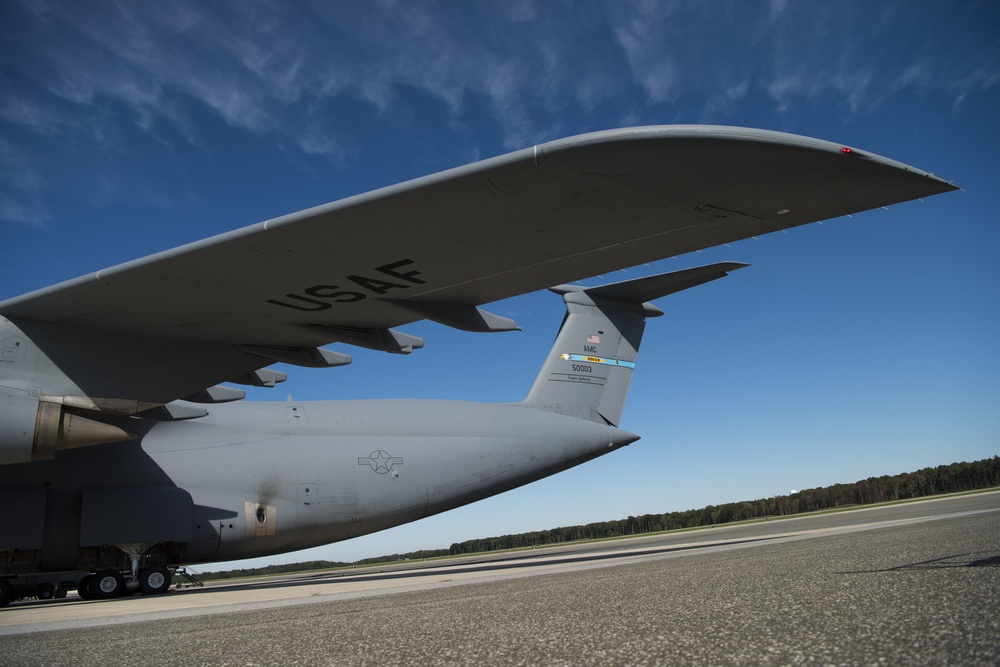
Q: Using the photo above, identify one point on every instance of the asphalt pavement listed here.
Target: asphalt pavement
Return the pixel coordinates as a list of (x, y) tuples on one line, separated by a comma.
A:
[(916, 585)]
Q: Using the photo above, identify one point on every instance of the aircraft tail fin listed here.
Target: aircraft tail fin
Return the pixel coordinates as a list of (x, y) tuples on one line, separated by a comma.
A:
[(588, 369)]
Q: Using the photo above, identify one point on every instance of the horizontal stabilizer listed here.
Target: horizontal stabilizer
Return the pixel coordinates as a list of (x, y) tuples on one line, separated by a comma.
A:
[(640, 290)]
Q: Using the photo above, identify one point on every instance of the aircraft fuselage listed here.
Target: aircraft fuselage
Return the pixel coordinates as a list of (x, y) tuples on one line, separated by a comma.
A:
[(267, 478)]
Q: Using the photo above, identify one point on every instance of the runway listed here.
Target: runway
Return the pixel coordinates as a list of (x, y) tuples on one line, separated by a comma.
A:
[(917, 583)]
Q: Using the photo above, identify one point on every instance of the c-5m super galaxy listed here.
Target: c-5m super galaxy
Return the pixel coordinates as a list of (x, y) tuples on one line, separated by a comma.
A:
[(124, 456)]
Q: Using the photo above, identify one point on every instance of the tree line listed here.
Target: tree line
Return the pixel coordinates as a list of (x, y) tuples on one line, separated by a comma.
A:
[(926, 482)]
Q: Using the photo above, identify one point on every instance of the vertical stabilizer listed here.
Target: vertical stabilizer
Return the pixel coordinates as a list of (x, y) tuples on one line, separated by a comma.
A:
[(588, 369)]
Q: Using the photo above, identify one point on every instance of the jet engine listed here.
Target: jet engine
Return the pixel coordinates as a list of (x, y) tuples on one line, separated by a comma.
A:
[(33, 429)]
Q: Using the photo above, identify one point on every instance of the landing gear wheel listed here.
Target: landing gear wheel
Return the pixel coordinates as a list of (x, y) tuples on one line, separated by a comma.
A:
[(83, 588), (6, 592), (107, 584), (154, 580)]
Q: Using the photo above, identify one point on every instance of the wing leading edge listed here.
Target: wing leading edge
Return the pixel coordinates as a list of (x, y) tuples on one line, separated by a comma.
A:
[(437, 248)]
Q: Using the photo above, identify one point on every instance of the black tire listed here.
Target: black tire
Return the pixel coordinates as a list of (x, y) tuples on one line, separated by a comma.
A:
[(154, 580), (107, 584), (6, 592), (83, 588)]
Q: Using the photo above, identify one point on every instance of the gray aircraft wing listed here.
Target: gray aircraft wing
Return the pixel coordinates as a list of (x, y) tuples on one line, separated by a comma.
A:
[(171, 324)]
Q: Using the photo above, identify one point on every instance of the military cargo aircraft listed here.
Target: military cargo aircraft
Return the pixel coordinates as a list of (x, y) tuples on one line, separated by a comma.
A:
[(126, 451)]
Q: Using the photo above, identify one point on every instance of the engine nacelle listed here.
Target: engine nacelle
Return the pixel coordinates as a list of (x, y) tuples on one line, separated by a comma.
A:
[(33, 429)]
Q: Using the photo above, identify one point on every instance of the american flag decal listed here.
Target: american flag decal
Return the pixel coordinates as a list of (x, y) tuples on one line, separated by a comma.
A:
[(594, 339)]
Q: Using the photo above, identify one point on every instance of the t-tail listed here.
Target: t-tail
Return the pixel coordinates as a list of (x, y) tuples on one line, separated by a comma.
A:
[(588, 370)]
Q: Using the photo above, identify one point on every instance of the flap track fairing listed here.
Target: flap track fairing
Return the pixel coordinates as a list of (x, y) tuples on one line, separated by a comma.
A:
[(382, 340), (262, 377), (216, 394), (460, 316), (309, 357)]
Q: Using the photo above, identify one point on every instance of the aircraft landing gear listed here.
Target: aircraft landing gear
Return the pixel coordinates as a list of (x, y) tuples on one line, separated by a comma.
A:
[(154, 580), (107, 584), (6, 592), (83, 588)]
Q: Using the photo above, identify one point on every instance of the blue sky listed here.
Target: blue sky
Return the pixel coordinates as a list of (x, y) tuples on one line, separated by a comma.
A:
[(860, 347)]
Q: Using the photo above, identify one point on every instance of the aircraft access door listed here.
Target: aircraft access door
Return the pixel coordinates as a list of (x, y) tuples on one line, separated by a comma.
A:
[(308, 496)]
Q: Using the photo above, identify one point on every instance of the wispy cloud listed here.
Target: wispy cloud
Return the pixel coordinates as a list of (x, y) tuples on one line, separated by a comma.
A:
[(281, 70), (250, 63), (19, 212), (851, 55), (23, 185), (270, 70)]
